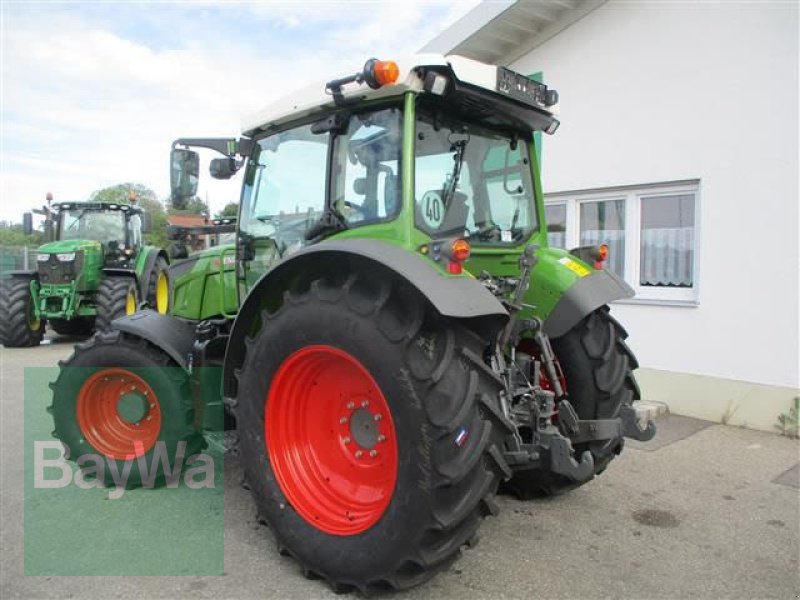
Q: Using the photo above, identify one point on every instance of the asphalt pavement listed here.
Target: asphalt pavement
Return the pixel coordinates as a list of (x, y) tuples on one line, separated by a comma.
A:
[(705, 511)]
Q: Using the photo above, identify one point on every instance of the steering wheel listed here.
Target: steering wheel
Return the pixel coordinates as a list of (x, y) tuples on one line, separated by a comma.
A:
[(487, 233), (358, 208)]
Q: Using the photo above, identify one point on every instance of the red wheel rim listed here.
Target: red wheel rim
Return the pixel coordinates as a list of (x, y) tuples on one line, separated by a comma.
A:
[(530, 348), (331, 440), (118, 414)]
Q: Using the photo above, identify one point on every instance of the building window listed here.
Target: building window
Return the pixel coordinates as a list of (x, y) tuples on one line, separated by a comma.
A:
[(667, 241), (556, 215), (651, 231)]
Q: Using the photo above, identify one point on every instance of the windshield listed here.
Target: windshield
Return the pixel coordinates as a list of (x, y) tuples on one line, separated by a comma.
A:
[(472, 182), (92, 224)]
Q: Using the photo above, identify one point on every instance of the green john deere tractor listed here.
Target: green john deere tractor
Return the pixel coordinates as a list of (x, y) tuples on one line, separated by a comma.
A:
[(391, 337), (94, 269)]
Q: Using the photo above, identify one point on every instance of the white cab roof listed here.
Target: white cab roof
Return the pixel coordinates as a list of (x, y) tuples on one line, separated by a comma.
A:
[(314, 98)]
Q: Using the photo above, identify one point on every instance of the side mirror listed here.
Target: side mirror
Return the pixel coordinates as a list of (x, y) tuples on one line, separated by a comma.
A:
[(223, 168), (147, 222), (183, 175), (27, 223)]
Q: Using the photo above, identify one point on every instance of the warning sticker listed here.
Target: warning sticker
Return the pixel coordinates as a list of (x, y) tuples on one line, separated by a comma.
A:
[(574, 266)]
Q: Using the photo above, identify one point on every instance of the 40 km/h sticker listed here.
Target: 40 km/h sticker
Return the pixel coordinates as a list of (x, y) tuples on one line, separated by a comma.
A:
[(432, 209)]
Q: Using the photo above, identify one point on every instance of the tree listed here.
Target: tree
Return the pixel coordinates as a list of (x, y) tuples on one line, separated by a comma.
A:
[(11, 234), (231, 209), (122, 191), (196, 206)]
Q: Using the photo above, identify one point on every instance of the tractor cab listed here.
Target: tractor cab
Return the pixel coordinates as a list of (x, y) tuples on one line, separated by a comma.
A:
[(116, 229), (421, 152)]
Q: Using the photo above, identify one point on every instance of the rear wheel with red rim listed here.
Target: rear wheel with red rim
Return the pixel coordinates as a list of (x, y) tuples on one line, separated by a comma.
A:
[(369, 432), (338, 468), (595, 367)]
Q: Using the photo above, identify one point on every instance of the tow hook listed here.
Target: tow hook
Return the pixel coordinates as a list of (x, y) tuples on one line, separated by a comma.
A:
[(631, 427), (560, 452)]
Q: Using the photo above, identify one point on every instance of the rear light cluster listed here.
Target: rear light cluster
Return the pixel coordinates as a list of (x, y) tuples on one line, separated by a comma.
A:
[(594, 255), (601, 256), (453, 252)]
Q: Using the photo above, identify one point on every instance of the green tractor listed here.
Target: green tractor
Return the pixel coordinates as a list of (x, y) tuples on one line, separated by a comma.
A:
[(94, 268), (391, 338)]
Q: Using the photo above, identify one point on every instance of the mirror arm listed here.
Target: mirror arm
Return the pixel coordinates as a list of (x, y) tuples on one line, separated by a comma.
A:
[(226, 146)]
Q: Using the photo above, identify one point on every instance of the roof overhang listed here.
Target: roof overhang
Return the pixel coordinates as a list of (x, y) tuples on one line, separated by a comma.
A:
[(500, 32)]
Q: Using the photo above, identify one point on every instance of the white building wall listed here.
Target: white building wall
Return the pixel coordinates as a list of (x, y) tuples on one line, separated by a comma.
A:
[(664, 91)]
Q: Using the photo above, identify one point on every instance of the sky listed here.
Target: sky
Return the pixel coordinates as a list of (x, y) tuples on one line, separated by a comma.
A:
[(93, 93)]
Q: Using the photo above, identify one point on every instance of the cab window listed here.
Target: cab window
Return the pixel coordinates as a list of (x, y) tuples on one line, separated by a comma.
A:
[(284, 194), (367, 167)]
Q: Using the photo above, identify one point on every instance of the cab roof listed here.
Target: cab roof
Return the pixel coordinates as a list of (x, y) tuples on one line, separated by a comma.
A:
[(96, 205), (317, 98)]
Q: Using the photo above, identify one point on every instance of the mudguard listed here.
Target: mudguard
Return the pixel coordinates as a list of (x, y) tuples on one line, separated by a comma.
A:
[(174, 336), (456, 297), (19, 274), (584, 296)]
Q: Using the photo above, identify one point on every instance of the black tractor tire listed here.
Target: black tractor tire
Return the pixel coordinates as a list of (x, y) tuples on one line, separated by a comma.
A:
[(18, 327), (598, 368), (76, 326), (160, 266), (437, 387), (116, 355), (111, 300)]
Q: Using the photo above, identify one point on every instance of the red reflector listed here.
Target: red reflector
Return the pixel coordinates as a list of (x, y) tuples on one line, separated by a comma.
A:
[(454, 268)]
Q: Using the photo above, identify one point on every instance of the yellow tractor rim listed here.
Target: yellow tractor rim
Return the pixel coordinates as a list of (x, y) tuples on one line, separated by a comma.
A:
[(162, 293), (130, 302)]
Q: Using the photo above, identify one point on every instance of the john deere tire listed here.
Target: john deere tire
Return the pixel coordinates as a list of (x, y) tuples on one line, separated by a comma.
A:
[(158, 287), (113, 299), (598, 369), (18, 325), (122, 399), (77, 326), (380, 454)]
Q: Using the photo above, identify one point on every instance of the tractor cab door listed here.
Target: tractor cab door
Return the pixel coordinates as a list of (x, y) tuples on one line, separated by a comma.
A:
[(284, 203), (282, 198)]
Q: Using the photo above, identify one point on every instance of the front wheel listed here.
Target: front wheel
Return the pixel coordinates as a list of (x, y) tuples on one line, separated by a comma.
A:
[(115, 298), (19, 326), (370, 433), (124, 401), (598, 375)]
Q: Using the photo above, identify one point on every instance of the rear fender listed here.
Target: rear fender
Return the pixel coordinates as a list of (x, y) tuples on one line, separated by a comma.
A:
[(576, 292), (455, 297)]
